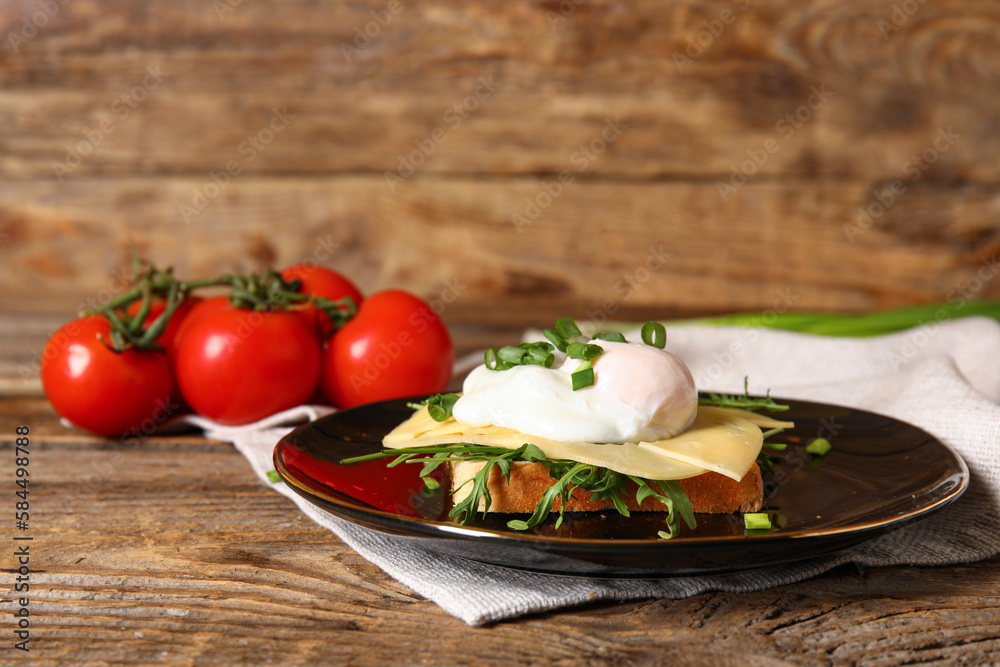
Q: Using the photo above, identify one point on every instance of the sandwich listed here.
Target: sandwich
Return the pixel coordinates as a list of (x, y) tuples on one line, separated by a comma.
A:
[(587, 424)]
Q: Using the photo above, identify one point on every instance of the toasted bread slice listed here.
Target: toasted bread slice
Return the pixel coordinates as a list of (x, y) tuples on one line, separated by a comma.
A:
[(710, 492)]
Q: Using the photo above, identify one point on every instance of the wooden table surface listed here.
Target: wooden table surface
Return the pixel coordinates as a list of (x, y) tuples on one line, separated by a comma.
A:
[(172, 552)]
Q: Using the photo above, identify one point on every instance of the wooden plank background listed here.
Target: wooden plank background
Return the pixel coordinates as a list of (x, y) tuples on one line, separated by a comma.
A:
[(512, 159)]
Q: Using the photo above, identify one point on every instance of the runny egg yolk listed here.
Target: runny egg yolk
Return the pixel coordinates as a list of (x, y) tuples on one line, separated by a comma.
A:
[(641, 393)]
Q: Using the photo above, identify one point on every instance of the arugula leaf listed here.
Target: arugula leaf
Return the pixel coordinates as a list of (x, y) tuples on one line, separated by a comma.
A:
[(746, 402), (439, 406), (672, 495), (480, 492), (569, 477)]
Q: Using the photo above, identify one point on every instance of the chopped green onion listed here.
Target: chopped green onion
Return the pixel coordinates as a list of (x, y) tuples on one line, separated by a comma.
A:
[(508, 356), (818, 447), (757, 521), (558, 341), (430, 484), (613, 337), (540, 357), (490, 359), (540, 353), (583, 377), (566, 328), (857, 325), (655, 334), (585, 351)]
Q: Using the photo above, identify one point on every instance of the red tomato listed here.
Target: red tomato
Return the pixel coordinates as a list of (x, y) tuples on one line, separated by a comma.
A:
[(169, 336), (320, 281), (238, 366), (395, 347), (106, 392), (199, 310)]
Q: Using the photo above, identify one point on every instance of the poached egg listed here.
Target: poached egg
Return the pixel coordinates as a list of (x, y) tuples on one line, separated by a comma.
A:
[(641, 393)]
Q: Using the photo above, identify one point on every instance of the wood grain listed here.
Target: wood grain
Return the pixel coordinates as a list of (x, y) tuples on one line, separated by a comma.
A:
[(467, 244), (698, 84), (173, 552), (840, 151), (714, 156)]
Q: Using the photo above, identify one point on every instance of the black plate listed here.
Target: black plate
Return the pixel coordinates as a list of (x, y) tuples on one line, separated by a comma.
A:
[(881, 474)]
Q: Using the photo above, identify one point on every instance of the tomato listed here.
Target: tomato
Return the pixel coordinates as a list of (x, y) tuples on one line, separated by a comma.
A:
[(320, 281), (199, 310), (102, 391), (238, 366), (395, 347), (169, 336)]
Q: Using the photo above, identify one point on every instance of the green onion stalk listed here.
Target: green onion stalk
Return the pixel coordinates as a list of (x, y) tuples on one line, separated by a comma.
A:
[(860, 325)]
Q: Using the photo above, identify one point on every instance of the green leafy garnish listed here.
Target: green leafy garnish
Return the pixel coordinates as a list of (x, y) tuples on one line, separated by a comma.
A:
[(583, 376), (564, 331), (745, 402), (561, 337), (540, 353), (585, 351), (672, 496), (818, 447), (508, 356), (558, 342), (569, 476), (566, 328), (577, 475), (771, 453), (655, 334), (863, 325), (439, 406), (467, 507)]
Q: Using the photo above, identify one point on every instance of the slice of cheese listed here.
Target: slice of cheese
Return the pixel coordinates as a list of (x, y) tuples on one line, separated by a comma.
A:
[(753, 417), (628, 459), (719, 440), (723, 440)]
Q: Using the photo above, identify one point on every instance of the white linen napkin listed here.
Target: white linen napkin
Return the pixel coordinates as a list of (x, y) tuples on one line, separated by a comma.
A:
[(944, 378)]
